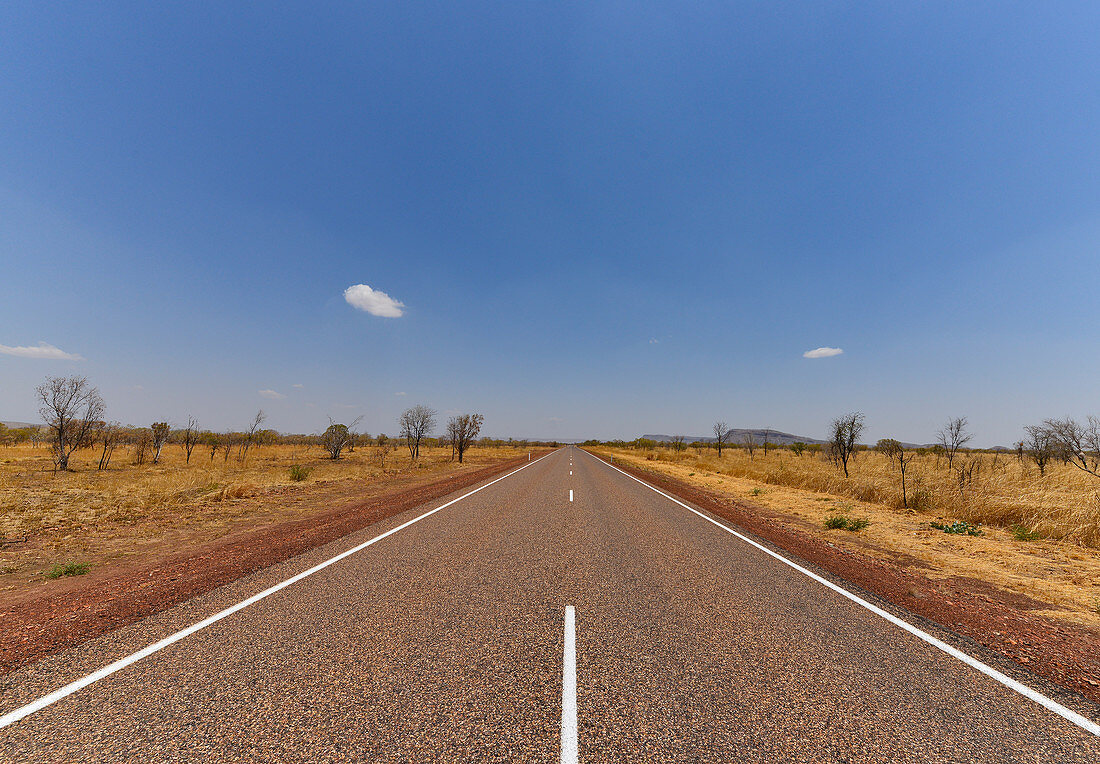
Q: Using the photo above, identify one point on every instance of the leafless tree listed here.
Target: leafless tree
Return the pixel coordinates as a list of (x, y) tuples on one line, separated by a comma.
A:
[(1039, 445), (749, 441), (190, 437), (462, 429), (160, 431), (416, 423), (767, 434), (109, 434), (71, 407), (249, 438), (721, 432), (952, 437), (895, 454), (380, 452), (678, 442), (143, 441), (844, 435), (1078, 443)]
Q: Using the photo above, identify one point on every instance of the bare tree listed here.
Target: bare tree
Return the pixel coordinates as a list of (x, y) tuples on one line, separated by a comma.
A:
[(749, 441), (678, 442), (416, 423), (109, 434), (844, 434), (190, 437), (1079, 444), (249, 438), (462, 430), (71, 408), (767, 434), (160, 432), (1039, 445), (142, 443), (895, 454), (721, 432), (952, 437)]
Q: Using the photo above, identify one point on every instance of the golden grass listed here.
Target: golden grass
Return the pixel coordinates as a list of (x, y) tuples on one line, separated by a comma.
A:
[(804, 492), (125, 511), (1000, 490)]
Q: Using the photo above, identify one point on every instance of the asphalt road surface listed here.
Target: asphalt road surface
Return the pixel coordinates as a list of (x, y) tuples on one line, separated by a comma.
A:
[(563, 612)]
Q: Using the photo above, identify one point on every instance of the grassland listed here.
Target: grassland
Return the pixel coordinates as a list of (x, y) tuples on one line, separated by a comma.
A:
[(128, 513), (1039, 535)]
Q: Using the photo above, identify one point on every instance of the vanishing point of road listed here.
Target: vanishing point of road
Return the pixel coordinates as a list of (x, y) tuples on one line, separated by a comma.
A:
[(563, 612)]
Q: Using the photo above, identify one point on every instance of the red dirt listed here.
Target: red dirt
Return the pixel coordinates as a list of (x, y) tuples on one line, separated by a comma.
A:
[(40, 623), (1066, 655)]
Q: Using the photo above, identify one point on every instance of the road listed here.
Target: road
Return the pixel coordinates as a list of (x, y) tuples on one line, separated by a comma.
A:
[(449, 640)]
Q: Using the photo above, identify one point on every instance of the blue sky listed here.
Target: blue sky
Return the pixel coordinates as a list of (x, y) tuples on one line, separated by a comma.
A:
[(602, 219)]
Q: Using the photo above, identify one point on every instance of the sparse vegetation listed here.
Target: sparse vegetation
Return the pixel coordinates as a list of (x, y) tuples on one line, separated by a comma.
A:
[(844, 523), (959, 527), (299, 473), (67, 569)]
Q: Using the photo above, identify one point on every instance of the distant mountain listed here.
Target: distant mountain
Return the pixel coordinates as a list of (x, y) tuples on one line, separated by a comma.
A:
[(738, 436), (19, 425)]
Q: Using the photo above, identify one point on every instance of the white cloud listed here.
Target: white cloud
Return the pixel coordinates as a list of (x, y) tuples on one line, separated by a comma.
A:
[(402, 393), (44, 351), (373, 301), (822, 352), (654, 341), (554, 419), (297, 387), (271, 395)]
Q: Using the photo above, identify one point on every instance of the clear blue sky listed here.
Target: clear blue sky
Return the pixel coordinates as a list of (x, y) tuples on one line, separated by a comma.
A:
[(602, 219)]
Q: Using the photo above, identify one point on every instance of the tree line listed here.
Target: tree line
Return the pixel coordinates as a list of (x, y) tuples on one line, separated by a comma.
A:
[(74, 414)]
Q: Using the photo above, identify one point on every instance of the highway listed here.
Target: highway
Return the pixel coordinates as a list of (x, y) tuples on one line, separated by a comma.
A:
[(563, 612)]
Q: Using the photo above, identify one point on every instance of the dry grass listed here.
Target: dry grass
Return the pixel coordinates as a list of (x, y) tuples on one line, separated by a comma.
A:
[(805, 492), (131, 511), (997, 489)]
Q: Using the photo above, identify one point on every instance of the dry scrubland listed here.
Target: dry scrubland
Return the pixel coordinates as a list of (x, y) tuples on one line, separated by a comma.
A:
[(127, 512), (1040, 535)]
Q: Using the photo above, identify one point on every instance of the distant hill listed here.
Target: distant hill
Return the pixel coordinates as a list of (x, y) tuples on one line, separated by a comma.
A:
[(738, 436), (20, 425)]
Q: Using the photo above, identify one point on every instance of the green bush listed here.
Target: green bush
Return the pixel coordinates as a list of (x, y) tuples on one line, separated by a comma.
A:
[(1022, 533), (757, 491), (298, 473), (842, 523), (68, 569), (960, 527)]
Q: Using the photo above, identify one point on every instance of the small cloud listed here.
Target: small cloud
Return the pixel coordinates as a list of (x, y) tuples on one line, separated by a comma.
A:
[(43, 351), (271, 395), (654, 341), (373, 301), (401, 394), (554, 419), (822, 352), (297, 387)]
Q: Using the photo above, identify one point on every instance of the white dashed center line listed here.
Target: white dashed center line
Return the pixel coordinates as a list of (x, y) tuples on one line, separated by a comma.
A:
[(569, 748)]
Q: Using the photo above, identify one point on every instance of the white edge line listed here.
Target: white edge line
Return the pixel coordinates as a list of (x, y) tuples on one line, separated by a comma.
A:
[(570, 751), (13, 716), (1051, 705)]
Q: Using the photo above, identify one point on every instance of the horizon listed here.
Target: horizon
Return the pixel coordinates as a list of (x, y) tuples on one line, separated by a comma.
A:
[(568, 219)]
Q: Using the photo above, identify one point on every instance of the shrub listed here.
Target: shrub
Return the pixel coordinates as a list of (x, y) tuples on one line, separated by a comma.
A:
[(1023, 533), (68, 569), (960, 527), (757, 491), (298, 473), (842, 523)]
